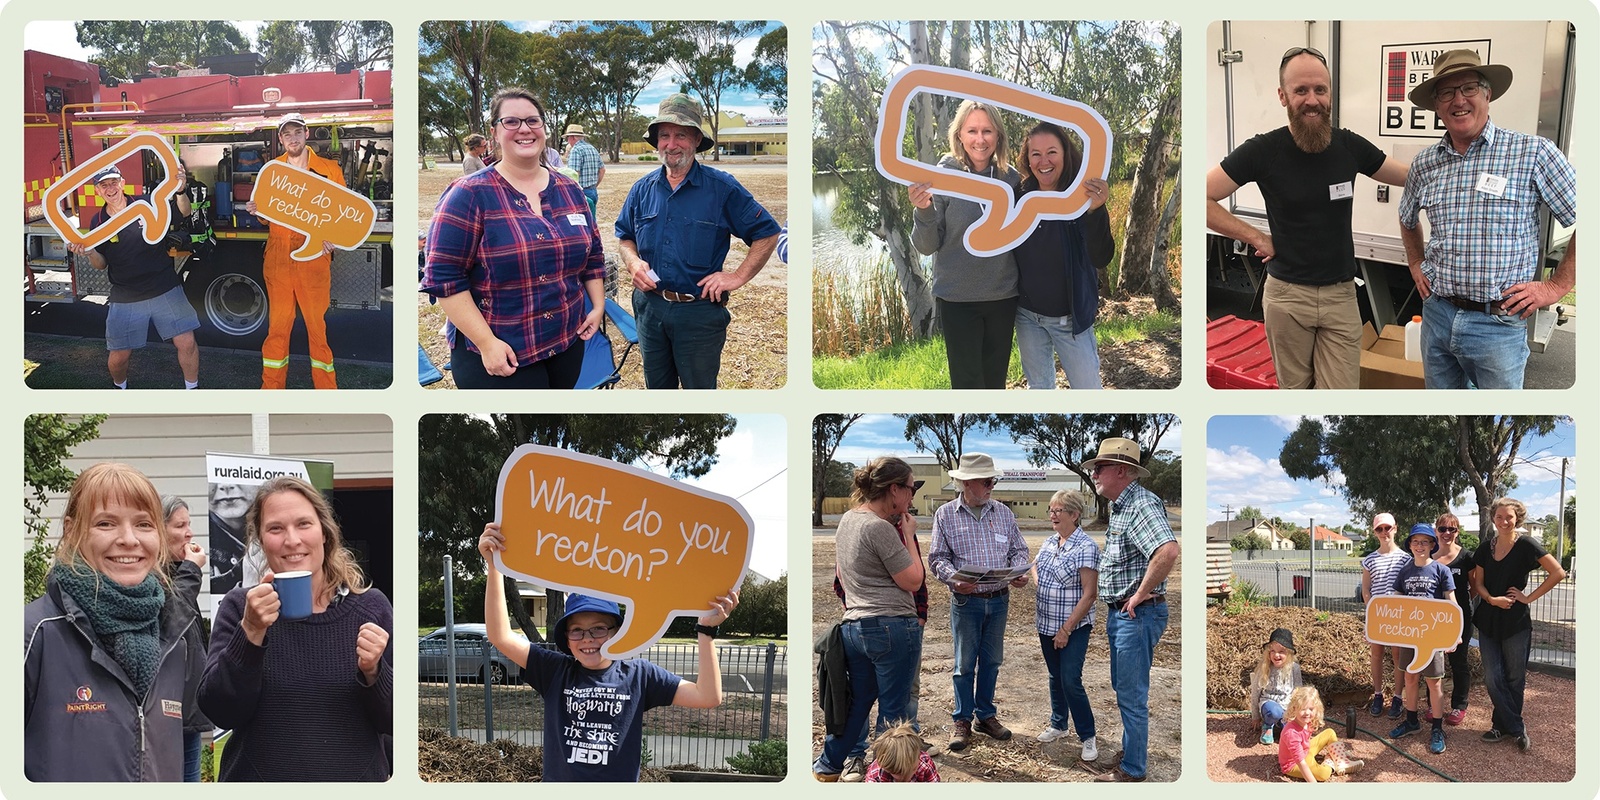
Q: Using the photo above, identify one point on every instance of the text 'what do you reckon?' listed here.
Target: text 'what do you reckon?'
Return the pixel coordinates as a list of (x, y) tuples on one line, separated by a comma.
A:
[(590, 525), (1424, 624), (313, 206)]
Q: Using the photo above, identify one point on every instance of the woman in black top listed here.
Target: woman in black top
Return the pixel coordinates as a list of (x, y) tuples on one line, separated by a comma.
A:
[(1505, 628), (1460, 562)]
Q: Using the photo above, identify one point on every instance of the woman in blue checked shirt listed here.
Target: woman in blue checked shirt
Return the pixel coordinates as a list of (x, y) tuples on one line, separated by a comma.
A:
[(511, 252), (1068, 573)]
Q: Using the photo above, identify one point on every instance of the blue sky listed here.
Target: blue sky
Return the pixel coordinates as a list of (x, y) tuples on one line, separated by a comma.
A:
[(756, 452), (1242, 470), (884, 435), (740, 101)]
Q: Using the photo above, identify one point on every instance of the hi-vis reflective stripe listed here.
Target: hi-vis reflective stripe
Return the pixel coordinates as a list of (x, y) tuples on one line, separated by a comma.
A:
[(315, 364), (269, 363)]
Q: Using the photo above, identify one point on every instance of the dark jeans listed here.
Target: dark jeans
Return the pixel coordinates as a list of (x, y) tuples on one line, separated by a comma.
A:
[(1460, 671), (559, 371), (1068, 698), (191, 756), (681, 343), (882, 652), (977, 341), (1505, 674)]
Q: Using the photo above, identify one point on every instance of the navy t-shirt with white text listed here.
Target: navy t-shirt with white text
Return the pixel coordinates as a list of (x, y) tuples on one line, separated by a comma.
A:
[(593, 719)]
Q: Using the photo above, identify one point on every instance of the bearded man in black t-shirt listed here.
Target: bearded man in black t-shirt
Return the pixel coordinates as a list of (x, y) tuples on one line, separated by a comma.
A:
[(1306, 172)]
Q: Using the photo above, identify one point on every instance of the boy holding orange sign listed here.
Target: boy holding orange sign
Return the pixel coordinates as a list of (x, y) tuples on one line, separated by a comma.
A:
[(1424, 577)]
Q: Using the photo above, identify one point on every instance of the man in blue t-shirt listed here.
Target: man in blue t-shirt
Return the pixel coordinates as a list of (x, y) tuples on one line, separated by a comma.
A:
[(1424, 577), (1306, 173), (144, 285)]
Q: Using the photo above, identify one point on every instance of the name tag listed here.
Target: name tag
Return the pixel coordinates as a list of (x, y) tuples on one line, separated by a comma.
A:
[(1001, 538), (1342, 191), (1493, 185), (577, 219)]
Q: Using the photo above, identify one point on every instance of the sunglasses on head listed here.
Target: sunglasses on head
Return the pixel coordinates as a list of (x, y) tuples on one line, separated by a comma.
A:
[(1295, 51)]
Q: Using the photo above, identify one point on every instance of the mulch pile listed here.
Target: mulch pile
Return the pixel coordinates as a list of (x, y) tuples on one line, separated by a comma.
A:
[(442, 758), (1331, 648)]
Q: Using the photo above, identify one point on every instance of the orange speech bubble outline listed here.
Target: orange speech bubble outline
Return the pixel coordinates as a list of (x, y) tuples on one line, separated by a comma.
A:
[(591, 504), (993, 233), (287, 195), (156, 213), (1425, 624)]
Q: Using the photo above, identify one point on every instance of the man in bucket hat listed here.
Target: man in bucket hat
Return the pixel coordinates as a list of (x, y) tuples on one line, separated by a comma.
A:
[(1140, 551), (1482, 187), (582, 157), (976, 532), (673, 236)]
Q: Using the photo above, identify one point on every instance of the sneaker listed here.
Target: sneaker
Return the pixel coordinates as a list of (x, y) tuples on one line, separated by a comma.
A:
[(1091, 752), (1492, 735), (1524, 743), (855, 769), (1266, 735), (1405, 729), (1396, 707), (992, 728), (1377, 705), (1347, 767), (1051, 734), (960, 735), (1455, 716), (1436, 741), (826, 777)]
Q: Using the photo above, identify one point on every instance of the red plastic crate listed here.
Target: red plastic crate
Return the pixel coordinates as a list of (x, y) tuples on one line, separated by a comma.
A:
[(1237, 356)]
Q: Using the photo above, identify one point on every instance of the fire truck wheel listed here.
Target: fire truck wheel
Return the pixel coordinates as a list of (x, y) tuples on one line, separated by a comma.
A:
[(233, 303)]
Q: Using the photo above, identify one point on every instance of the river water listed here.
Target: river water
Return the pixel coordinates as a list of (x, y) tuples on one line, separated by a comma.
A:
[(831, 248)]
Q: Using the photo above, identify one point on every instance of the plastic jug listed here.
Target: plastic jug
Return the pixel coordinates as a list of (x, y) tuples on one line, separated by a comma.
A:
[(1414, 339)]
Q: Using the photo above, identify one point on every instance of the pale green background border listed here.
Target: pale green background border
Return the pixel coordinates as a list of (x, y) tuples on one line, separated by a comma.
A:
[(799, 400)]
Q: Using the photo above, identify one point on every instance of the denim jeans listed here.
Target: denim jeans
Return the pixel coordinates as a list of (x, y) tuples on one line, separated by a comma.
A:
[(1505, 674), (913, 693), (978, 626), (1464, 349), (1040, 338), (681, 343), (592, 194), (1133, 647), (882, 652), (191, 756), (1068, 698), (1271, 714)]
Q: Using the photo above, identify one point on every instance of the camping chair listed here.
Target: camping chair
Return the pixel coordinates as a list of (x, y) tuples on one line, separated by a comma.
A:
[(601, 370)]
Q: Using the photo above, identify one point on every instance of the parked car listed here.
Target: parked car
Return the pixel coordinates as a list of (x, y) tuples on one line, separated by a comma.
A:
[(471, 639)]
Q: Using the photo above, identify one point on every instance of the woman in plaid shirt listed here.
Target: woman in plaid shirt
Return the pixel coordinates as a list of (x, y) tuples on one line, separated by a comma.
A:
[(511, 252), (1068, 573)]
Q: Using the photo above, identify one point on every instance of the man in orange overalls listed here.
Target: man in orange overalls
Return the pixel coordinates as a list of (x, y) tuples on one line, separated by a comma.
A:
[(291, 282)]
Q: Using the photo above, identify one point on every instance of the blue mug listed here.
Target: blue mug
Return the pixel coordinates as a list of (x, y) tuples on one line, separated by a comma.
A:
[(294, 594)]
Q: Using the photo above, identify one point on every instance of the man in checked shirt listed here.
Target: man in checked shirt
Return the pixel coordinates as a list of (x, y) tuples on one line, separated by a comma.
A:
[(1140, 551), (976, 532), (1482, 187)]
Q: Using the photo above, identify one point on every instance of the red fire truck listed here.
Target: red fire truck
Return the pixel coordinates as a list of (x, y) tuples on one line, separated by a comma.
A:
[(222, 120)]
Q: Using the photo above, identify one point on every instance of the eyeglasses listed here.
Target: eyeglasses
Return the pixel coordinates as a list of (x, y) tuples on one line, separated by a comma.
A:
[(1465, 90), (987, 481), (1445, 529), (531, 123), (598, 633), (1098, 468), (1295, 51), (1058, 511)]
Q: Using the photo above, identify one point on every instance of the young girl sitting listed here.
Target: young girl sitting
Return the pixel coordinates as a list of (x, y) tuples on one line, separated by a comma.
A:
[(899, 758), (1298, 748), (1272, 681)]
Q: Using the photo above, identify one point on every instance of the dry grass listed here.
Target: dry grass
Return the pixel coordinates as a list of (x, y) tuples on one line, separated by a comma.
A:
[(756, 355)]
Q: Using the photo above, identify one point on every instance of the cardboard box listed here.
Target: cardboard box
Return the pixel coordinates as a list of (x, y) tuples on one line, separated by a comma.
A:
[(1383, 360)]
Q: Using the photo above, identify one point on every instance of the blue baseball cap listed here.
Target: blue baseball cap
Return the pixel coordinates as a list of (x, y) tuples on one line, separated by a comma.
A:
[(107, 173), (577, 604)]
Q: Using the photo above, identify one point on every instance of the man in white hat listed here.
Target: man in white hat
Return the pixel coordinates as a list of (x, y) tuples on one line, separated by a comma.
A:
[(673, 235), (978, 533), (290, 284), (1482, 187), (145, 289), (1140, 552), (582, 157), (1306, 172)]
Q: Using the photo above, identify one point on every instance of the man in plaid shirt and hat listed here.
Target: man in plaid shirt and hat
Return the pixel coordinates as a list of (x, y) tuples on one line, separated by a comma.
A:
[(1140, 551)]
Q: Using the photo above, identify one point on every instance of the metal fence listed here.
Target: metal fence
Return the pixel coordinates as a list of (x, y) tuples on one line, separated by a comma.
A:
[(1335, 583), (754, 702)]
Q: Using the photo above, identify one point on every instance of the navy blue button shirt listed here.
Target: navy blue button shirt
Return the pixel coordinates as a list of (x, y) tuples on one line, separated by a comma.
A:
[(683, 233)]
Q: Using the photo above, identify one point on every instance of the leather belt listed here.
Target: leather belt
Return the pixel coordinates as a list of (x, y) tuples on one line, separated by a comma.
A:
[(1491, 307), (1116, 605), (674, 297), (991, 595)]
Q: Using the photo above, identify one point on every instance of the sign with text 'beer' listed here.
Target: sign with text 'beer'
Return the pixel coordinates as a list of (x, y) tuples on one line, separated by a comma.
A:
[(314, 207), (593, 526), (155, 213), (1405, 67), (1004, 223), (1423, 624)]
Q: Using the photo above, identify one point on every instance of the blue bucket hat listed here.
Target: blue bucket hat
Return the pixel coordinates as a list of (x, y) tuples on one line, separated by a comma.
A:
[(1423, 529), (577, 604)]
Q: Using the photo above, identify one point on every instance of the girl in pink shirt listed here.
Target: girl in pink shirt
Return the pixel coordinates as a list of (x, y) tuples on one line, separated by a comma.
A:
[(1301, 741)]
